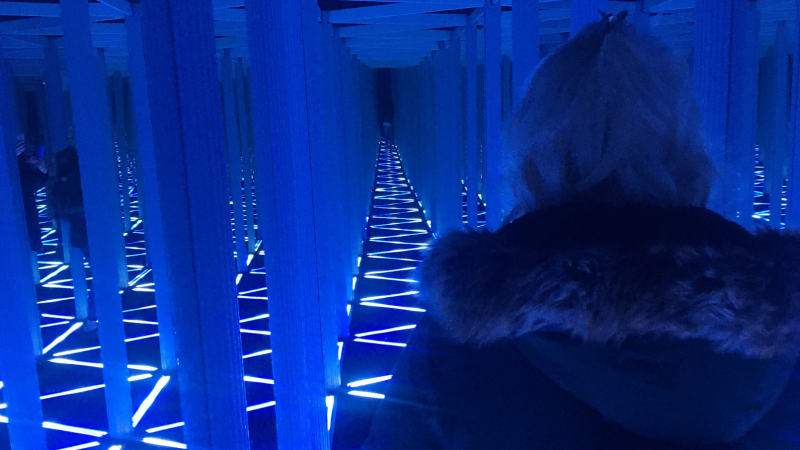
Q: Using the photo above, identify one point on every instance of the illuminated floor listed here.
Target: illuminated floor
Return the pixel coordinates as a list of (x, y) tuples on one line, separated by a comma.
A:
[(382, 320), (385, 311), (762, 199), (70, 373)]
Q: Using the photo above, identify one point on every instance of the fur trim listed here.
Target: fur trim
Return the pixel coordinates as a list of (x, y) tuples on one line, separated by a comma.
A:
[(695, 276)]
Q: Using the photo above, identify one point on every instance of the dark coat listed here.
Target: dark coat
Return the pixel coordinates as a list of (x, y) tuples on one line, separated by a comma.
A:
[(589, 326), (67, 201), (31, 179)]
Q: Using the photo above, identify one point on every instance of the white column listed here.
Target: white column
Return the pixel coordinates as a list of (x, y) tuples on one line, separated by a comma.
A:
[(20, 339), (101, 197), (121, 139), (149, 189), (496, 208), (780, 131), (105, 126), (793, 211), (191, 178), (281, 105), (525, 36), (447, 179), (724, 57), (247, 155), (234, 160), (471, 122), (55, 98)]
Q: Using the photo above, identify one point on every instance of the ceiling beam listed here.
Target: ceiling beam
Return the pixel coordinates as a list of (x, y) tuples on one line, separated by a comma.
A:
[(417, 35), (666, 5), (371, 30), (120, 6), (392, 45), (24, 42), (354, 15), (27, 9), (25, 26), (221, 4), (230, 15), (427, 20)]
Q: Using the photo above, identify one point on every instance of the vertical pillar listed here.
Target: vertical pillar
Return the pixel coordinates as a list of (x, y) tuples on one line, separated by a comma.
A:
[(447, 88), (584, 12), (780, 130), (105, 127), (20, 338), (427, 178), (149, 189), (525, 45), (349, 150), (640, 16), (101, 197), (281, 105), (506, 87), (471, 122), (122, 147), (338, 161), (332, 282), (723, 57), (234, 160), (743, 110), (793, 210), (492, 100), (185, 107), (78, 272), (247, 156)]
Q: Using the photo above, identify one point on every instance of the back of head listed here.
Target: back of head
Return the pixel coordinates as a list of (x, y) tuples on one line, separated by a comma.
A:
[(609, 117)]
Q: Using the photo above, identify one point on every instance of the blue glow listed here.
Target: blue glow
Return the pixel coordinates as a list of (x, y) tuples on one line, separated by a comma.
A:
[(247, 331), (56, 272), (56, 316), (61, 338), (163, 442), (66, 322), (165, 427), (139, 277), (329, 402), (388, 330), (387, 343), (367, 394), (258, 353), (258, 380), (71, 429), (260, 406), (148, 401), (402, 308), (254, 318), (82, 446), (369, 381)]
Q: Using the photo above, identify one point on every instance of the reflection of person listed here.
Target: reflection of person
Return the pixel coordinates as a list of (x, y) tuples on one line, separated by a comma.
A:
[(615, 311), (68, 205), (33, 175)]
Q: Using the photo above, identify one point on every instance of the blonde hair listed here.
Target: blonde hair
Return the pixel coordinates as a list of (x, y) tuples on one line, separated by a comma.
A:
[(610, 117)]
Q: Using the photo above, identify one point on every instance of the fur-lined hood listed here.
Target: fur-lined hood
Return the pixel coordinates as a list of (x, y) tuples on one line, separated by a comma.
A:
[(606, 273)]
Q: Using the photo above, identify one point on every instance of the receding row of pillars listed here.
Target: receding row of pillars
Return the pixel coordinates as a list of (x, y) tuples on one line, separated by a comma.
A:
[(752, 107), (303, 135)]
